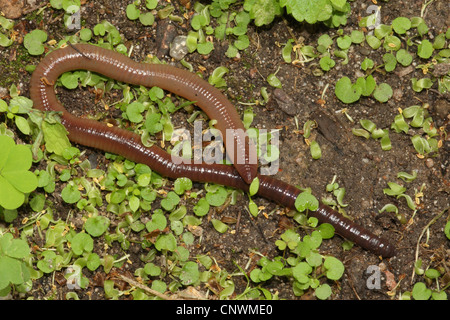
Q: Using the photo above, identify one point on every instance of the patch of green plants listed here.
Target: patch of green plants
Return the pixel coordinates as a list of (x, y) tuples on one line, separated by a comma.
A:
[(432, 287), (6, 27), (417, 118), (14, 267), (301, 262), (229, 19), (370, 130)]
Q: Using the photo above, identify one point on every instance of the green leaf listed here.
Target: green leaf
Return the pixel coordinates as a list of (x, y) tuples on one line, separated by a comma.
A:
[(170, 201), (326, 63), (346, 91), (14, 248), (205, 47), (382, 31), (166, 242), (383, 92), (147, 18), (132, 11), (367, 64), (55, 136), (306, 200), (134, 112), (405, 176), (34, 40), (274, 81), (324, 43), (447, 229), (219, 225), (401, 25), (425, 49), (314, 148), (70, 193), (334, 268), (218, 197), (419, 85), (82, 242), (181, 185), (344, 42), (301, 272), (390, 62), (264, 11), (12, 271), (254, 186), (216, 78), (404, 57), (392, 43), (189, 273), (400, 124), (97, 225), (420, 291), (420, 144), (323, 292), (357, 36), (310, 11), (373, 42), (158, 222), (201, 208), (326, 230), (367, 85), (15, 179), (242, 42), (287, 51), (394, 189)]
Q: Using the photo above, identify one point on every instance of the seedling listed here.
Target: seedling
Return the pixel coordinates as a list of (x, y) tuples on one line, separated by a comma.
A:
[(34, 40), (371, 131), (18, 106), (13, 269), (6, 25)]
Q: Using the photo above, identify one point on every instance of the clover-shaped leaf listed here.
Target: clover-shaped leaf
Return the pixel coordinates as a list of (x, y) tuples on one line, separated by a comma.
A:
[(15, 179), (34, 40)]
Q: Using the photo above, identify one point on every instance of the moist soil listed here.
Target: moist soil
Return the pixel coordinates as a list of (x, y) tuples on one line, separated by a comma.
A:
[(360, 165)]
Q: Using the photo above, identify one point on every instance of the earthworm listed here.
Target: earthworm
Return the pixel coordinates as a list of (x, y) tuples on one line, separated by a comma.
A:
[(178, 81), (128, 144)]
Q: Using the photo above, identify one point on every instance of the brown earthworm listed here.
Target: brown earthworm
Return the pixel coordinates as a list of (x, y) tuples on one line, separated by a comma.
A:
[(188, 85)]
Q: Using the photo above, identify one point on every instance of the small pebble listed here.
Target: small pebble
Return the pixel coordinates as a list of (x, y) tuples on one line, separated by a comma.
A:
[(178, 48), (285, 102)]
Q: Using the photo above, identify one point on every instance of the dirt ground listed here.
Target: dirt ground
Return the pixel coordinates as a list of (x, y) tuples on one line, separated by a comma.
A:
[(361, 166)]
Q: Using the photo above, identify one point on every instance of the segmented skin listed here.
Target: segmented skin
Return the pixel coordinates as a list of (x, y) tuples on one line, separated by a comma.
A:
[(188, 85)]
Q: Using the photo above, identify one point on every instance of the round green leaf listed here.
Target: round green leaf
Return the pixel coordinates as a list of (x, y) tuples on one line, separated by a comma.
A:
[(383, 92), (97, 225), (346, 91), (335, 268)]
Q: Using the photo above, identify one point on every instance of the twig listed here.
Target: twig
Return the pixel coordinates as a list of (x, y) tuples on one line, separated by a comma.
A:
[(432, 221), (145, 288)]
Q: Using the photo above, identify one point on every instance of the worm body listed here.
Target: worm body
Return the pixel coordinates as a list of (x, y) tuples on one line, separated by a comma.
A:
[(128, 144), (117, 66)]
